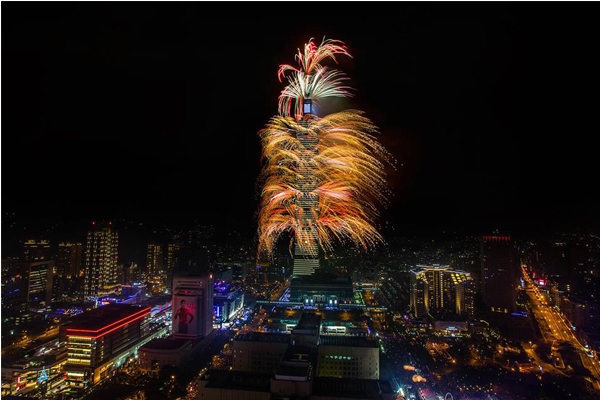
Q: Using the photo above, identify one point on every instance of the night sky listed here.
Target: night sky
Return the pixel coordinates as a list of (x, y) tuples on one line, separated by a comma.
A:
[(150, 111)]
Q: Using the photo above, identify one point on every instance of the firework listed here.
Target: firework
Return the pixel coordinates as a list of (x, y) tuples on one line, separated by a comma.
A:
[(324, 172), (311, 80)]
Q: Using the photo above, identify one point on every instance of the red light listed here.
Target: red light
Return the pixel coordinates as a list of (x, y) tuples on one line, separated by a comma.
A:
[(123, 321), (109, 222), (93, 222)]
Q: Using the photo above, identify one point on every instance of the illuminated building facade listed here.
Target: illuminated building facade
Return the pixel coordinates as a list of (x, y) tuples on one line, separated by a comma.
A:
[(348, 357), (306, 255), (259, 351), (438, 290), (101, 340), (172, 249), (228, 302), (101, 256), (192, 305), (28, 375), (499, 273), (37, 281), (69, 259), (322, 289), (154, 260), (36, 250)]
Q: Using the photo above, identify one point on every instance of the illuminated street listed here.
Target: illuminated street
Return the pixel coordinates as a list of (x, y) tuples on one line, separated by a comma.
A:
[(557, 328)]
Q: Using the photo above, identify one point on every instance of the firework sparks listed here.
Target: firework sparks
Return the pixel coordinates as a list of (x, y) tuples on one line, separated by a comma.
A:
[(334, 164), (311, 80)]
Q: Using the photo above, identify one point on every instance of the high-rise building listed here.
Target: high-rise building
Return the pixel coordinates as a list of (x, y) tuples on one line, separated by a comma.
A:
[(131, 274), (36, 250), (306, 251), (192, 305), (172, 252), (101, 256), (499, 273), (228, 302), (438, 291), (69, 260), (37, 283), (154, 260)]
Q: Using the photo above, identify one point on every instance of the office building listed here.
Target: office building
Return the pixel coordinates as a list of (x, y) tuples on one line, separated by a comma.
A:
[(240, 270), (334, 321), (499, 273), (101, 257), (348, 357), (172, 252), (164, 352), (14, 301), (289, 383), (192, 305), (131, 274), (36, 250), (100, 340), (322, 289), (37, 282), (228, 303), (234, 385), (307, 331), (154, 260), (303, 365), (258, 351), (439, 291), (69, 260)]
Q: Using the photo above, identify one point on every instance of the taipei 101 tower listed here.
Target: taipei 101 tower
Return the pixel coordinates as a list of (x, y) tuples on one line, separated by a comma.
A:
[(320, 176), (306, 254)]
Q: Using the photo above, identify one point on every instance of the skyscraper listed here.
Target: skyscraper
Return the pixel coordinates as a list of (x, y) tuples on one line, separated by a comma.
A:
[(101, 254), (172, 252), (38, 281), (499, 273), (36, 250), (154, 260), (306, 253), (438, 291), (69, 259)]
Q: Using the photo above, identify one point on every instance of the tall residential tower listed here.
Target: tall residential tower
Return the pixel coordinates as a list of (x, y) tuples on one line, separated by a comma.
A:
[(438, 291), (499, 273), (101, 254)]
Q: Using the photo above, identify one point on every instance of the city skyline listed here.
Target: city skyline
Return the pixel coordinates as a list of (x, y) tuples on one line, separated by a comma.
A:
[(406, 211)]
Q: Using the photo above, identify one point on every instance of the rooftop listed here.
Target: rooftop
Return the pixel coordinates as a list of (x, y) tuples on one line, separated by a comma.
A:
[(353, 388), (169, 343), (263, 337), (309, 320), (238, 380), (293, 370), (348, 341), (108, 316), (300, 354)]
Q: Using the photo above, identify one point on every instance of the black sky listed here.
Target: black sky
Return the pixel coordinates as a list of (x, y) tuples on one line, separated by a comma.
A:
[(151, 110)]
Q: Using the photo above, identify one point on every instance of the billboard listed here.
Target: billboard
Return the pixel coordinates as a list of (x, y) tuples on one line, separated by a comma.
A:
[(185, 315)]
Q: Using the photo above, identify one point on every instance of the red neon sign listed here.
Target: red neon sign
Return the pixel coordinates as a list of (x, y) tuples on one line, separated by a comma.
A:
[(122, 322)]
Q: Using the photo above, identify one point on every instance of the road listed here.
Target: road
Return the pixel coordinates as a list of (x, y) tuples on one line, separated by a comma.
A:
[(559, 328)]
